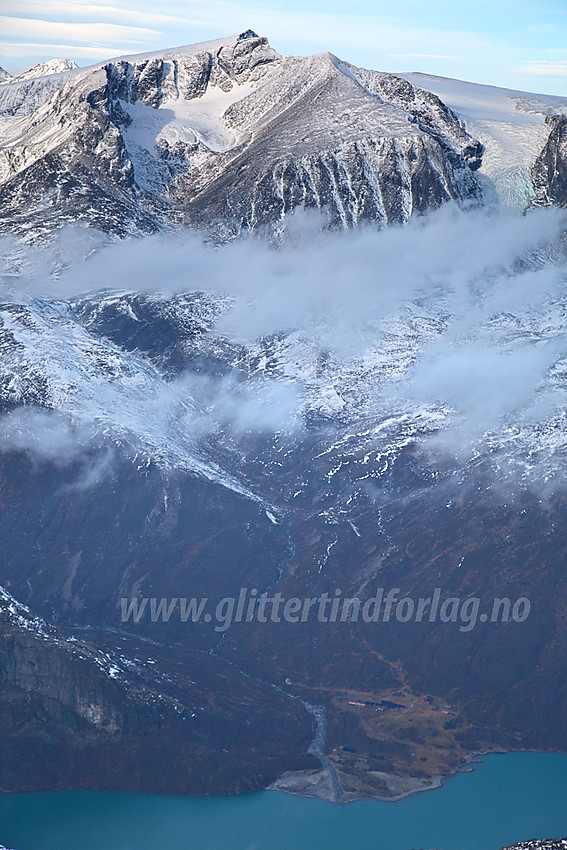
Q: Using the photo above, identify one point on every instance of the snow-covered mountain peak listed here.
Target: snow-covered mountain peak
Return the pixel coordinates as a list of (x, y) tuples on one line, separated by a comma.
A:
[(43, 69), (229, 131)]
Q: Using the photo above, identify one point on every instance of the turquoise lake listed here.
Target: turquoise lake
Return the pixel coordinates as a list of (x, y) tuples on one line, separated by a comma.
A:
[(507, 798)]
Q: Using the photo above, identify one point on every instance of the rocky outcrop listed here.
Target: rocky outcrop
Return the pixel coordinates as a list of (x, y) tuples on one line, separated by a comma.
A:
[(188, 76), (425, 109), (550, 168), (319, 138)]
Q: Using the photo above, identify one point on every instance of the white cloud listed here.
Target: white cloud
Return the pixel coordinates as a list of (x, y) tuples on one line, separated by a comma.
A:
[(544, 68), (83, 33), (79, 9), (457, 310), (14, 50), (424, 56)]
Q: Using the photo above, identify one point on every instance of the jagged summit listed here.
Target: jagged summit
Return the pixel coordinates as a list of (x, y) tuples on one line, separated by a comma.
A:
[(211, 46), (247, 34)]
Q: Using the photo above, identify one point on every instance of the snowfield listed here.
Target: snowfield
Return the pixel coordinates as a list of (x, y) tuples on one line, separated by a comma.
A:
[(510, 124)]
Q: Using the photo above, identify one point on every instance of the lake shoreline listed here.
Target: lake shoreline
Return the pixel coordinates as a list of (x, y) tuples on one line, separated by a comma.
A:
[(316, 784)]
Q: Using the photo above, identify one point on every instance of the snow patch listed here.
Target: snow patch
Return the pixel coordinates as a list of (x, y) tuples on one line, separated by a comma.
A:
[(191, 121)]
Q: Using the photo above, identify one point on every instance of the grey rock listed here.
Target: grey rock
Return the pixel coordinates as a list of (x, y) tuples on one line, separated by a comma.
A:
[(550, 168)]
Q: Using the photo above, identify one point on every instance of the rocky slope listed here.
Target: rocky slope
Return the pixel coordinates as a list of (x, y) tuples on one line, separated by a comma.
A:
[(74, 714), (551, 844), (550, 168), (153, 448), (225, 131)]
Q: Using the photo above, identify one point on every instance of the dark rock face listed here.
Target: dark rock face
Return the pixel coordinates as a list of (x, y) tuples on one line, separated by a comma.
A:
[(426, 110), (550, 168), (374, 168), (368, 180), (88, 176), (295, 132), (188, 76), (94, 709)]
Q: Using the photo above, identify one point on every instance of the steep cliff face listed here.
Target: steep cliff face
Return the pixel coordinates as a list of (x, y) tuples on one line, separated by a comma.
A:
[(74, 713), (550, 168), (75, 680), (227, 131), (73, 164), (188, 75)]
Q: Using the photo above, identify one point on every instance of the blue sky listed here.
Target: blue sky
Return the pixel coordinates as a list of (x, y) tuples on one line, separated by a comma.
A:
[(519, 44)]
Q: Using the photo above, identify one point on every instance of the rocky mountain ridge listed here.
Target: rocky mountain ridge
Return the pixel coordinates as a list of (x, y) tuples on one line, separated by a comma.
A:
[(536, 844), (550, 169), (147, 143)]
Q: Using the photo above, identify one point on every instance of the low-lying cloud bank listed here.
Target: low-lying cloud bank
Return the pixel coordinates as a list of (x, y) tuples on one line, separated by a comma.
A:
[(462, 314)]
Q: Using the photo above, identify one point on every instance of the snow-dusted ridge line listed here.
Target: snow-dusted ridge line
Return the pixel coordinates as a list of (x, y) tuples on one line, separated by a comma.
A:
[(68, 67), (229, 136), (43, 69), (211, 46), (20, 615), (98, 385)]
